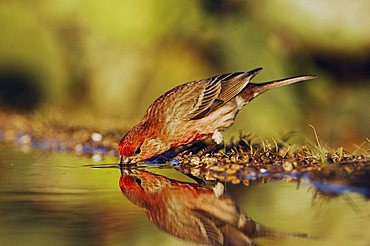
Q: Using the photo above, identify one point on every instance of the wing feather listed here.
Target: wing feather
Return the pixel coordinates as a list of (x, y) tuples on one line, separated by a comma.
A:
[(211, 229), (206, 97), (219, 90)]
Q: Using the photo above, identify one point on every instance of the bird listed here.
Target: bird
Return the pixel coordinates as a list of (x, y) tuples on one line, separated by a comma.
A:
[(194, 111), (192, 211)]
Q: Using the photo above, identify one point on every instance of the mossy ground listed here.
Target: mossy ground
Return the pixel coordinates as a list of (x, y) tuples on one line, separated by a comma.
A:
[(248, 159)]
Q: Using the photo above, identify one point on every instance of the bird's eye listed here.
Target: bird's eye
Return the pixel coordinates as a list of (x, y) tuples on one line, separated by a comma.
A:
[(137, 151), (138, 181)]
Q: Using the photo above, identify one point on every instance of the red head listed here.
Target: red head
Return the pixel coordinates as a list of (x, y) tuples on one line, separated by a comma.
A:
[(131, 142), (143, 188), (140, 143)]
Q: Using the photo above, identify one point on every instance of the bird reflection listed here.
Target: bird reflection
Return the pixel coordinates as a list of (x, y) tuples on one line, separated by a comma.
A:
[(192, 212)]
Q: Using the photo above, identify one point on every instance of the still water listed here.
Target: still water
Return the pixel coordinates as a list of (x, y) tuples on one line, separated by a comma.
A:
[(62, 199)]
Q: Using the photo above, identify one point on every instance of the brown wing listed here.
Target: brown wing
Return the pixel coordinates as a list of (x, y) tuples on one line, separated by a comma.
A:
[(219, 90), (210, 227), (207, 96)]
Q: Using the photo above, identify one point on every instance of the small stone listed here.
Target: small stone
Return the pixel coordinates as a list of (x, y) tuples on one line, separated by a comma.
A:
[(235, 181), (233, 159), (97, 157), (230, 171), (262, 170), (288, 166), (235, 167), (78, 148), (218, 168), (195, 160), (96, 137), (246, 182), (25, 139)]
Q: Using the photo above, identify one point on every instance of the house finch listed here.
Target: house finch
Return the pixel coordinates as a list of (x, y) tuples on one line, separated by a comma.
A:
[(191, 211), (193, 111)]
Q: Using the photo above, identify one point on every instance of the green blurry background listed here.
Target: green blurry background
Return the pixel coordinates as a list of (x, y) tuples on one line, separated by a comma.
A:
[(106, 61)]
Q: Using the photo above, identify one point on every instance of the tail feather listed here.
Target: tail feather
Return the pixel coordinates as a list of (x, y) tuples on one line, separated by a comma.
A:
[(252, 90), (260, 88), (253, 229), (262, 231)]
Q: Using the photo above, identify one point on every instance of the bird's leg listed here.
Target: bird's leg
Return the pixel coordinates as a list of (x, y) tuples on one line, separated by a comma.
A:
[(217, 140), (218, 189), (217, 137)]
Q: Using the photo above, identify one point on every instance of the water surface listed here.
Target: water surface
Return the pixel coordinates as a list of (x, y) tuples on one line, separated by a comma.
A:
[(62, 199)]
